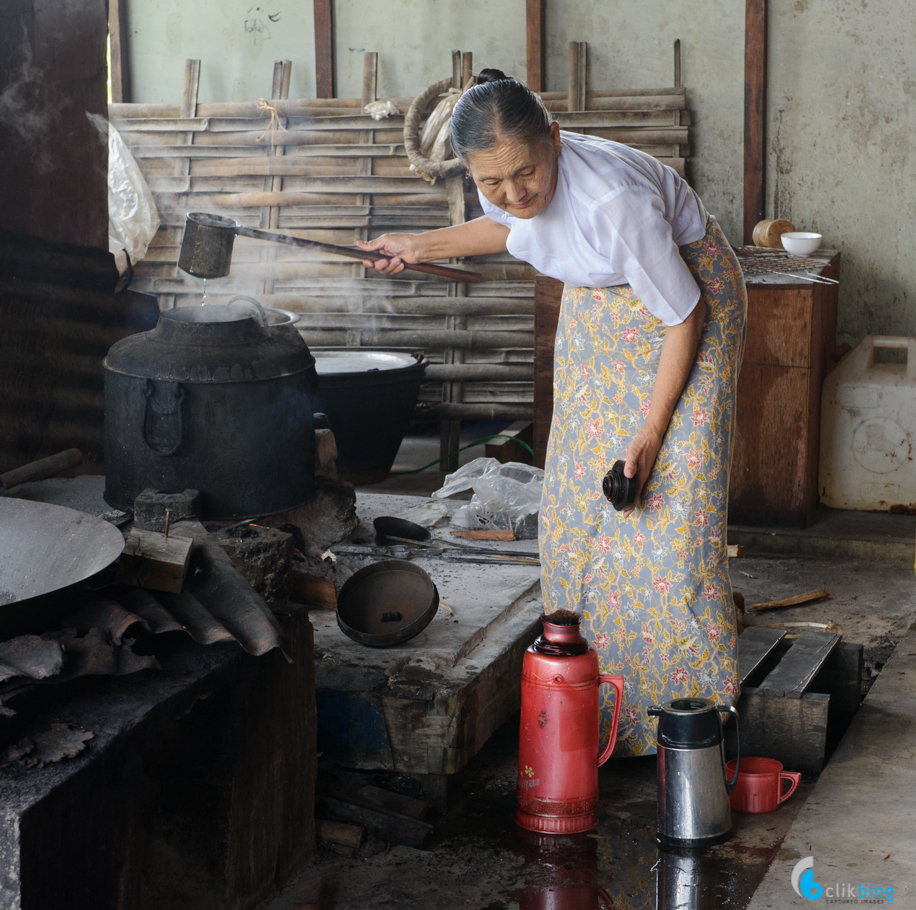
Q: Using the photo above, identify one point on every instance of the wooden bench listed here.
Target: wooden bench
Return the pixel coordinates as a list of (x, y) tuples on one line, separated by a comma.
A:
[(798, 695)]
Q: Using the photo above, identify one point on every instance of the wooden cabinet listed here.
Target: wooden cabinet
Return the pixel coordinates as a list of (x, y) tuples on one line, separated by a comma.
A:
[(791, 333)]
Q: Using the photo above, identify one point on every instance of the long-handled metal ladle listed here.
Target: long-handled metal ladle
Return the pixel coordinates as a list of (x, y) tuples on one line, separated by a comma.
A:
[(206, 248)]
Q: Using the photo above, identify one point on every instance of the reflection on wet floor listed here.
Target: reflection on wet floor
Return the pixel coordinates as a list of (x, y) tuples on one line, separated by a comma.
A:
[(479, 860), (621, 866)]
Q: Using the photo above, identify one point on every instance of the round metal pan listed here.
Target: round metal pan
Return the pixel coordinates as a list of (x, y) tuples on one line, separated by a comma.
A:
[(46, 548), (386, 603)]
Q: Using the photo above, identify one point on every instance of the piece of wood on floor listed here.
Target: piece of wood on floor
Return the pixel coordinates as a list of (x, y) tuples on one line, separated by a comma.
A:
[(754, 647), (505, 449), (497, 534), (313, 591), (798, 600), (736, 551), (396, 828), (153, 561), (387, 801), (308, 892), (339, 833), (800, 664)]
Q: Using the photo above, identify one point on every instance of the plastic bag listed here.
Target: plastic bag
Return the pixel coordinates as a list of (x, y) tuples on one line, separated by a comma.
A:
[(381, 110), (133, 218), (506, 496)]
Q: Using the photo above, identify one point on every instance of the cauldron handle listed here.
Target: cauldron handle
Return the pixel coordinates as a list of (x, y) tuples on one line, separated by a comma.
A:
[(148, 392), (617, 682)]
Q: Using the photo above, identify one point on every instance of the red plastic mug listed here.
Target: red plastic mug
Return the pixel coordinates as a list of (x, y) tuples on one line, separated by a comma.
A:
[(759, 786)]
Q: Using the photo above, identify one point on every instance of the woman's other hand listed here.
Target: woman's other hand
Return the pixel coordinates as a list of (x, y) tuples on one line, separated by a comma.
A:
[(641, 455), (399, 250)]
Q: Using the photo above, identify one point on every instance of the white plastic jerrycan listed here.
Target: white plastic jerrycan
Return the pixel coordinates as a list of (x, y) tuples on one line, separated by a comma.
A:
[(868, 424)]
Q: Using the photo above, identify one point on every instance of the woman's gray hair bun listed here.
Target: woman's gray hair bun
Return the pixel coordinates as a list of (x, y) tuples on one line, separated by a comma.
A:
[(497, 107)]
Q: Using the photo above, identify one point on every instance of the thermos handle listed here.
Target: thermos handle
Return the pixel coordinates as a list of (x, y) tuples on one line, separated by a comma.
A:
[(730, 784), (617, 683)]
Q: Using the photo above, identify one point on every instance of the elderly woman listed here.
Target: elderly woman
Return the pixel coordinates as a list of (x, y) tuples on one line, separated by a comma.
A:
[(647, 356)]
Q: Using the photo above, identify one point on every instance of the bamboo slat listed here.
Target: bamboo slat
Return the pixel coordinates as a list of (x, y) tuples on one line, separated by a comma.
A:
[(336, 175)]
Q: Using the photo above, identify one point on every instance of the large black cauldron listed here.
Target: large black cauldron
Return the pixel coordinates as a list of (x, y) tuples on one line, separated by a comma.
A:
[(212, 400)]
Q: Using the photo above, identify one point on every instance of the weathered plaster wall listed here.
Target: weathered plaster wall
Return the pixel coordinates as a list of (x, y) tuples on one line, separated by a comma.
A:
[(237, 42), (631, 45), (842, 94), (842, 103), (415, 38)]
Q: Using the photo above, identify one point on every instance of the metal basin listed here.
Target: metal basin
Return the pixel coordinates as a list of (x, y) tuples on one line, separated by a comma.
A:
[(387, 603), (44, 548)]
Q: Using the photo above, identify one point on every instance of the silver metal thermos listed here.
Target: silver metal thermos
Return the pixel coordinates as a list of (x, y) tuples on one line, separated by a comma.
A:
[(692, 788)]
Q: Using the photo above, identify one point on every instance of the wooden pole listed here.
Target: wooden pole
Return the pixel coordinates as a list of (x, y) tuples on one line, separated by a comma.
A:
[(120, 58), (324, 48), (535, 16), (578, 56), (755, 111)]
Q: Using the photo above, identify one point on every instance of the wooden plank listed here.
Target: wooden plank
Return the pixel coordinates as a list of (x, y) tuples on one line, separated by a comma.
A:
[(190, 89), (339, 833), (548, 295), (503, 449), (399, 829), (242, 156), (324, 48), (578, 53), (791, 730), (467, 68), (754, 647), (841, 679), (796, 600), (766, 486), (801, 663), (387, 801), (536, 44), (152, 560), (779, 325), (120, 50), (311, 590), (755, 98), (484, 535)]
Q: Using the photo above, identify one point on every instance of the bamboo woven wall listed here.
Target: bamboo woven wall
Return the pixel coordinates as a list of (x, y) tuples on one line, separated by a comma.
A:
[(328, 171)]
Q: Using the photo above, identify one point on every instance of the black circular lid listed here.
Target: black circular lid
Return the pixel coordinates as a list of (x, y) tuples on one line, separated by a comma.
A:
[(689, 723)]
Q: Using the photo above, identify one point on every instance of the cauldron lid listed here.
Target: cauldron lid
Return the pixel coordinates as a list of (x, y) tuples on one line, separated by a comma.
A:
[(386, 603)]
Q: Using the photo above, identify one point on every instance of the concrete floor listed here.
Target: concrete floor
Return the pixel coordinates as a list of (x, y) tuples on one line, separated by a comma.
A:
[(857, 816), (477, 859)]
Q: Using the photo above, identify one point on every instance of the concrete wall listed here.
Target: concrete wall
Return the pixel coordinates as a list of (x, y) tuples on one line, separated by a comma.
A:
[(842, 103), (842, 95), (237, 42)]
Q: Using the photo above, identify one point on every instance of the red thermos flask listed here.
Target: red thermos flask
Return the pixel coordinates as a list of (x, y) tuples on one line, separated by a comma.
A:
[(558, 743)]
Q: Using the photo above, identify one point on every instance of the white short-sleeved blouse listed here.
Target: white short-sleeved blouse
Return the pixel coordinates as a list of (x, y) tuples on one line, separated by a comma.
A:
[(617, 217)]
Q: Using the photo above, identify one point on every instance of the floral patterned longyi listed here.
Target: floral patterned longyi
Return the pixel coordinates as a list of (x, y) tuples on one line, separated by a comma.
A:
[(653, 589)]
